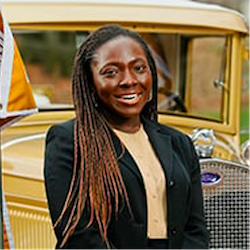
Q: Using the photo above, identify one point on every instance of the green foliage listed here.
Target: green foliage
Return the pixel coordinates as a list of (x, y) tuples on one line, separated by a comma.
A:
[(53, 50), (244, 124)]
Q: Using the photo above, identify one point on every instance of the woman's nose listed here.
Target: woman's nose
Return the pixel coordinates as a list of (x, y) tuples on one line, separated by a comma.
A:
[(129, 79)]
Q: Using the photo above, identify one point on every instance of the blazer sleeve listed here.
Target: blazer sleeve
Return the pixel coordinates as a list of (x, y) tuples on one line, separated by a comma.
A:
[(59, 160), (196, 234)]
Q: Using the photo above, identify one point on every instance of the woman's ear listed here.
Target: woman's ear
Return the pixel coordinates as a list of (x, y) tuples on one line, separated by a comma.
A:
[(94, 96), (150, 94)]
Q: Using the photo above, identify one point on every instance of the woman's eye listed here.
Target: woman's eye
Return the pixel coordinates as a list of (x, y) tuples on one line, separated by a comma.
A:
[(110, 72), (140, 68)]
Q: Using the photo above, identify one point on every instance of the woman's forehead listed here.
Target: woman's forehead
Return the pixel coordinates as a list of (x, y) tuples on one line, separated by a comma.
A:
[(119, 46)]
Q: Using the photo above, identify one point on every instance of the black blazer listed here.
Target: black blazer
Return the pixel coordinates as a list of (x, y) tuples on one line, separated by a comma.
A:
[(185, 215)]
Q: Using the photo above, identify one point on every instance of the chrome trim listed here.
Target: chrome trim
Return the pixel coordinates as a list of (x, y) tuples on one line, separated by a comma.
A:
[(222, 161), (245, 152), (22, 139), (206, 135)]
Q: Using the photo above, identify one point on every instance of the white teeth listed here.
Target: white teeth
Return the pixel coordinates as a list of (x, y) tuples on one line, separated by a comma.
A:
[(129, 97)]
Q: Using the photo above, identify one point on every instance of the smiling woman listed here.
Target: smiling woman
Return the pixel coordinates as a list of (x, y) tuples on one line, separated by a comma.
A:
[(108, 171), (123, 82), (199, 60)]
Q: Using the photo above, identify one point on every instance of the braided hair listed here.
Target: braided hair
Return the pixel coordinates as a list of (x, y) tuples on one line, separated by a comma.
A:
[(96, 179)]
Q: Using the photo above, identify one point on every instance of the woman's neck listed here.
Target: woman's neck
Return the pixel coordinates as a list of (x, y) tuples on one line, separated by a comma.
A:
[(128, 125)]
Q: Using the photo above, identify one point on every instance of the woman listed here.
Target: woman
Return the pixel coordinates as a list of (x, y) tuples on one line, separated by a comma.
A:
[(115, 178)]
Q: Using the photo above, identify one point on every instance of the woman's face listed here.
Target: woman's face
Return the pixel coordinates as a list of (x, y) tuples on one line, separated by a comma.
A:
[(122, 77)]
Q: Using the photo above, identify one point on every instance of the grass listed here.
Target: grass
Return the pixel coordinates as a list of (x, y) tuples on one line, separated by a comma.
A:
[(244, 124), (244, 121)]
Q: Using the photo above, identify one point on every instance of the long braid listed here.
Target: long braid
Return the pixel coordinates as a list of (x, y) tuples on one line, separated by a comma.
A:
[(96, 178)]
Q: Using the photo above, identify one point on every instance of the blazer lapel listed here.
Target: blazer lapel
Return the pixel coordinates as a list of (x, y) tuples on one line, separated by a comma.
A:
[(162, 145), (125, 159)]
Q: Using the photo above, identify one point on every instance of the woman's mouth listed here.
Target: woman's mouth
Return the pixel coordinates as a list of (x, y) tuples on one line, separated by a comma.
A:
[(129, 99)]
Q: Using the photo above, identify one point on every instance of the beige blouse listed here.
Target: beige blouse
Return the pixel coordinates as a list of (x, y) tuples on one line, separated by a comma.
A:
[(153, 176)]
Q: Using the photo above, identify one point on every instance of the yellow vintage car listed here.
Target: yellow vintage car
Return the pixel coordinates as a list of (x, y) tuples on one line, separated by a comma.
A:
[(202, 62)]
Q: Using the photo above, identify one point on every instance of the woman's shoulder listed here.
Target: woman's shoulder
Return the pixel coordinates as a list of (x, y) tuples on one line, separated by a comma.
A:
[(62, 131), (180, 140), (165, 129), (67, 125), (181, 143)]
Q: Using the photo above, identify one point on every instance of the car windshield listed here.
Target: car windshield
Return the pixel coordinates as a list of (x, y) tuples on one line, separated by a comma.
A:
[(191, 70)]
